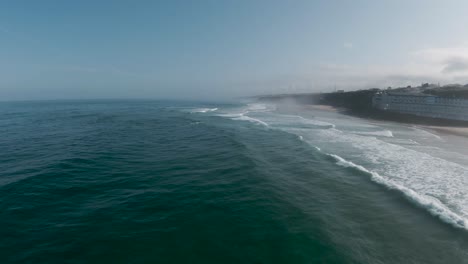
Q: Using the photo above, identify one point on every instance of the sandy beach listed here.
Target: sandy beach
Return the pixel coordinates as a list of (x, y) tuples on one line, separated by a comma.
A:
[(457, 131), (322, 107)]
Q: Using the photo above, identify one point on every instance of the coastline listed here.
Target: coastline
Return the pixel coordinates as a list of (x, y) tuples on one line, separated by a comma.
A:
[(359, 104), (323, 107), (456, 131), (441, 130)]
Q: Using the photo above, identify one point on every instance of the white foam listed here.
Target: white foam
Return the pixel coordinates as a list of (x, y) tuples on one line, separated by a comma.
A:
[(313, 122), (282, 121), (403, 141), (231, 115), (439, 185), (250, 119), (204, 110), (381, 133), (260, 107), (240, 113), (432, 204), (295, 116), (425, 132), (427, 175)]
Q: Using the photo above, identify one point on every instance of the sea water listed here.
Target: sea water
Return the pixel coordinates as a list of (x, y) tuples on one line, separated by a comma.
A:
[(190, 182)]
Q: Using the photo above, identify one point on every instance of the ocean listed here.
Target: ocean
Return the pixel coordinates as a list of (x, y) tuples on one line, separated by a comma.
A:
[(108, 181)]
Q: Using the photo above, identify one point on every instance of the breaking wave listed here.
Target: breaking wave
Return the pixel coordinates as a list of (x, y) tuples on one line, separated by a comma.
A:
[(421, 177), (204, 110), (250, 119), (382, 133), (433, 205)]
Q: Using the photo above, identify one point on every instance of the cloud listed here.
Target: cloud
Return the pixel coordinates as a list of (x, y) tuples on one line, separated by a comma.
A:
[(456, 65), (442, 54), (435, 65), (445, 65), (451, 60)]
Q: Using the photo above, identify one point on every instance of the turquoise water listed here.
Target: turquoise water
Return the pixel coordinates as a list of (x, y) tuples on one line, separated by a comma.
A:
[(171, 182)]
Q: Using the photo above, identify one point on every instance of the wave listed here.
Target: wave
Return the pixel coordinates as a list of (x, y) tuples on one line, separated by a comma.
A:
[(433, 205), (314, 122), (432, 183), (403, 141), (204, 110), (283, 121), (241, 114), (319, 124), (232, 115), (250, 119), (425, 132), (382, 133), (260, 107)]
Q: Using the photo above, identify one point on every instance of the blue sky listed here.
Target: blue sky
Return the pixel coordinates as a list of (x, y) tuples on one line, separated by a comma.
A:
[(219, 49)]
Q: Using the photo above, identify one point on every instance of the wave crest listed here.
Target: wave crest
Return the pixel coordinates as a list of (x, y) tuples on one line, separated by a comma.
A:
[(382, 133), (433, 205), (204, 110)]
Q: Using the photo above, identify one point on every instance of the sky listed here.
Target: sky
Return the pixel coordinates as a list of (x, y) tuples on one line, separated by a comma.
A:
[(209, 49)]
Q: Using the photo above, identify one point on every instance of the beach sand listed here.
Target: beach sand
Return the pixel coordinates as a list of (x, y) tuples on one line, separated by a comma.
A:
[(441, 130), (457, 131), (322, 107)]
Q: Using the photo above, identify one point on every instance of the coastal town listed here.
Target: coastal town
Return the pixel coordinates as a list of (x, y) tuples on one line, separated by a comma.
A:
[(421, 102), (428, 103)]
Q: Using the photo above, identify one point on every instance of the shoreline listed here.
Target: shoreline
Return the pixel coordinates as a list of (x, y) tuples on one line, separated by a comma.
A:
[(456, 131), (323, 107), (439, 129)]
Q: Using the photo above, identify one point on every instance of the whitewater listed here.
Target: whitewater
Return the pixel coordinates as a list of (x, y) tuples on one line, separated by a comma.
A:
[(197, 182), (404, 158)]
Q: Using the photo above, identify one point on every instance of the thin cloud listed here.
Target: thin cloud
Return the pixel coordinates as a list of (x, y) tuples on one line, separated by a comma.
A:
[(456, 65), (450, 60), (444, 65)]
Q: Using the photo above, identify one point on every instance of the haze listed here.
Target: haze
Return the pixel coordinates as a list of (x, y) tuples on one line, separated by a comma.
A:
[(224, 49)]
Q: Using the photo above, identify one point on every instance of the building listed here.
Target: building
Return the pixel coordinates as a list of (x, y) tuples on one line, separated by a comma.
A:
[(422, 105)]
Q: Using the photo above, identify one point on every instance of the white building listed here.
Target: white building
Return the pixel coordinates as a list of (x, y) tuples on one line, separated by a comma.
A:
[(422, 105)]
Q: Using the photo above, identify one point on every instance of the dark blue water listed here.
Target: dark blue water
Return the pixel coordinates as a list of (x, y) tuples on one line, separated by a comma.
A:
[(171, 182)]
